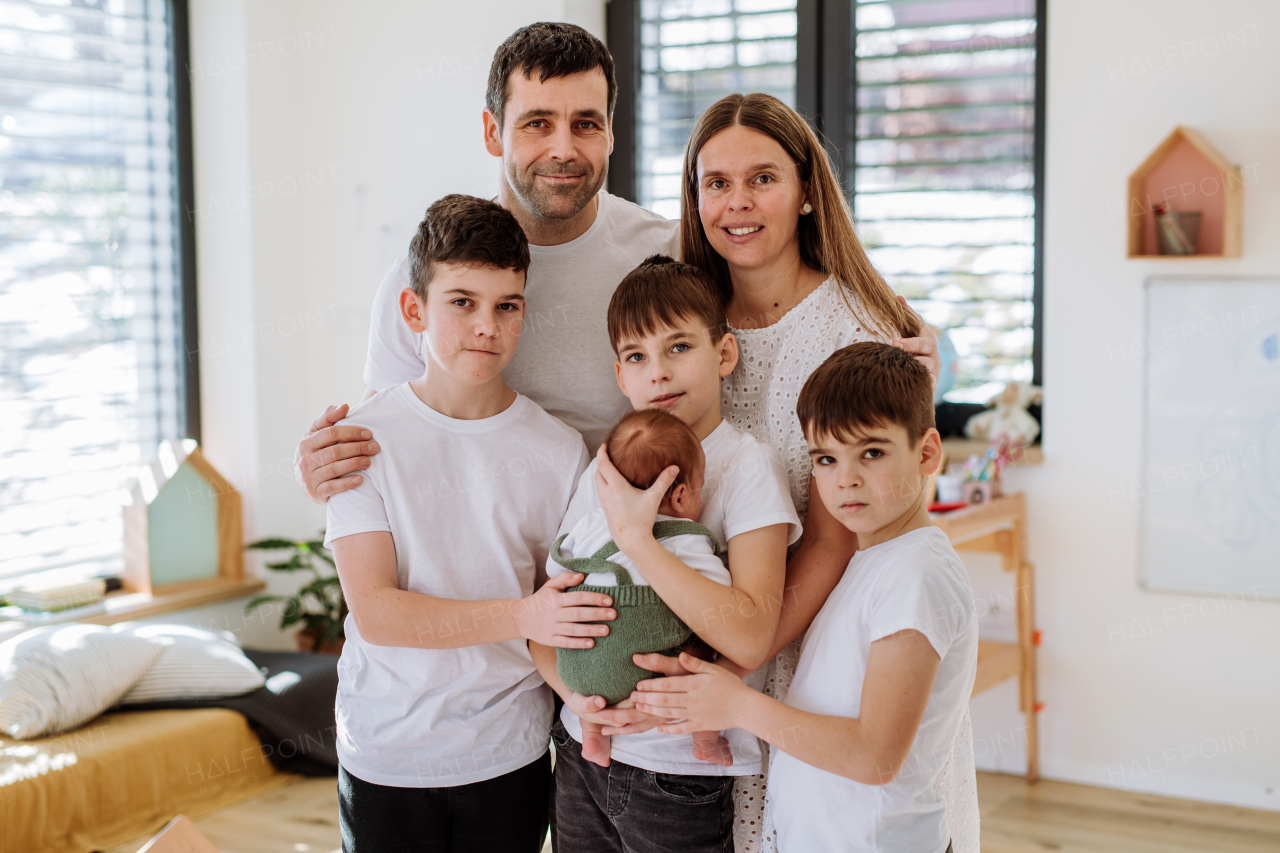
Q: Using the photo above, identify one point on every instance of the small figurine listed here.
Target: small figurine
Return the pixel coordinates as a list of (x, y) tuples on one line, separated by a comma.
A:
[(1010, 416)]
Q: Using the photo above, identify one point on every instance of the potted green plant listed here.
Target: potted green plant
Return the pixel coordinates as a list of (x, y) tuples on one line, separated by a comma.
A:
[(318, 606)]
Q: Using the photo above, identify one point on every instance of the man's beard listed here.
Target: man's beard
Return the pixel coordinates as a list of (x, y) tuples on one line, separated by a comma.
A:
[(551, 202)]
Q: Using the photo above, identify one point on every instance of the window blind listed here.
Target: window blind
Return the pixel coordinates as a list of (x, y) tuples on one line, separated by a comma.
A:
[(90, 300), (944, 179), (692, 53)]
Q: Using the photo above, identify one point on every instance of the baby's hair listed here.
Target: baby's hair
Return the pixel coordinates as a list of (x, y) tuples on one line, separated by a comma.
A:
[(646, 442), (863, 386), (660, 293), (466, 231)]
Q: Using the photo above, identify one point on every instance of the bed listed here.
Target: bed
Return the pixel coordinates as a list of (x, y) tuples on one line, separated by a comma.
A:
[(126, 774)]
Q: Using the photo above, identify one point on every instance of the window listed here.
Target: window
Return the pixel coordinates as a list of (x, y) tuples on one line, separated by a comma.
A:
[(933, 112), (693, 53), (94, 271), (945, 130)]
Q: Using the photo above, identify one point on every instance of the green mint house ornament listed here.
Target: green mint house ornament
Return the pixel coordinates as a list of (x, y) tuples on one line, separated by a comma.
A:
[(182, 526)]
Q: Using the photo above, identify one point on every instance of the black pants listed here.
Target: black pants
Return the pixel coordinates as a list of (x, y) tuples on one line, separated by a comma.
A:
[(623, 809), (507, 813)]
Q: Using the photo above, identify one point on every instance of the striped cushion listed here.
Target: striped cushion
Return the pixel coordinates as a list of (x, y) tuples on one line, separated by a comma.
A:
[(196, 664), (61, 676)]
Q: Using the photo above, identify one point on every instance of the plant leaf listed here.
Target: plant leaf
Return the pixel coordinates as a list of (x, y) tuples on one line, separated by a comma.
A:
[(293, 564), (271, 544), (260, 600)]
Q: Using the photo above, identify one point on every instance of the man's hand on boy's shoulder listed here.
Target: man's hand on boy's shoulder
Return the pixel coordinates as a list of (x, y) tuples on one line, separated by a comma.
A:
[(328, 452), (553, 617)]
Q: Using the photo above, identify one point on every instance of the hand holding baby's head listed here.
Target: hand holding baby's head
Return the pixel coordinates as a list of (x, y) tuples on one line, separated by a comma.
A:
[(647, 442)]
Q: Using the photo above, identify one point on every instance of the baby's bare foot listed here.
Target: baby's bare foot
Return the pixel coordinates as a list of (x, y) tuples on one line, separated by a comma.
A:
[(596, 748), (710, 746)]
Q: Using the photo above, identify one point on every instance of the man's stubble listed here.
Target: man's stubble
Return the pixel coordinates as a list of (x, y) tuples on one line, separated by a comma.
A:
[(555, 203)]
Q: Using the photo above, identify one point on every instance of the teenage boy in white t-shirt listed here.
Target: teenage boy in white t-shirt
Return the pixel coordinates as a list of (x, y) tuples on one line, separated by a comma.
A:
[(442, 718), (888, 664), (667, 325)]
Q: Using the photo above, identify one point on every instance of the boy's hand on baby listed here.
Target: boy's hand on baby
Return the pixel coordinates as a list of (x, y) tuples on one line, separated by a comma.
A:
[(704, 701), (631, 512), (562, 619)]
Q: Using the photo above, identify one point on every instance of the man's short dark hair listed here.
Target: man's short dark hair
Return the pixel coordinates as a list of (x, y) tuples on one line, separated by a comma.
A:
[(864, 386), (466, 231), (547, 50), (661, 293)]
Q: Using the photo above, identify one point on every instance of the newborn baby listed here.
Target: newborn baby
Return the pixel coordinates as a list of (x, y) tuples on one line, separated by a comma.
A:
[(642, 445)]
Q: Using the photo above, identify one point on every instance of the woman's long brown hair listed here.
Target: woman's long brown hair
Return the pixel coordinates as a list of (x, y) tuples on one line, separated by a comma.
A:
[(828, 242)]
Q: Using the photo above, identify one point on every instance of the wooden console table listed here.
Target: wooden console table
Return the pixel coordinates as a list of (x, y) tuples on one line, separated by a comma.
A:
[(1000, 527)]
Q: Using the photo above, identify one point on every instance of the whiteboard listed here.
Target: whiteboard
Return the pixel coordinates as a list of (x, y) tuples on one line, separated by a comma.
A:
[(1210, 479)]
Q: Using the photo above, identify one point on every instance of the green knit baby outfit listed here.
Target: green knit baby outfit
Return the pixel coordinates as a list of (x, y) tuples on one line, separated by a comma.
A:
[(644, 623)]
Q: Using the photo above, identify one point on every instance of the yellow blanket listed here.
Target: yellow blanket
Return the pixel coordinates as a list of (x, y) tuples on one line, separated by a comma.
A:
[(125, 775)]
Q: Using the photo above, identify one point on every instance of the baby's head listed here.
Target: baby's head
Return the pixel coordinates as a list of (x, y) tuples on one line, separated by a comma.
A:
[(667, 325), (645, 443), (867, 413)]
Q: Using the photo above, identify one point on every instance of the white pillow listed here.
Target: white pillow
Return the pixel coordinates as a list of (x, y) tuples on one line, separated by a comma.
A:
[(196, 663), (61, 676)]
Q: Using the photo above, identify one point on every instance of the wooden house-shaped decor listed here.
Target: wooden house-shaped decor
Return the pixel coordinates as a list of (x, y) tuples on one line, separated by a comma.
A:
[(1186, 175), (182, 527)]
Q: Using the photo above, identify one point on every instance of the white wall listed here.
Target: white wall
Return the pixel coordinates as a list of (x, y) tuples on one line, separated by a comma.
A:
[(1155, 692), (323, 129)]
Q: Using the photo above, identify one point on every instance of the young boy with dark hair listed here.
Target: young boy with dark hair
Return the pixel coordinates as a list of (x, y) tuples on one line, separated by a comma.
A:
[(889, 662), (667, 326), (442, 718)]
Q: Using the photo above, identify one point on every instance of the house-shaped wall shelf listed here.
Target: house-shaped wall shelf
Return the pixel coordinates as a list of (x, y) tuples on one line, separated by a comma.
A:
[(1186, 174), (182, 527)]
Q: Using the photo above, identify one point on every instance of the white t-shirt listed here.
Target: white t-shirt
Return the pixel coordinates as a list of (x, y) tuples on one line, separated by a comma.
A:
[(916, 582), (472, 506), (564, 362), (744, 489), (591, 533)]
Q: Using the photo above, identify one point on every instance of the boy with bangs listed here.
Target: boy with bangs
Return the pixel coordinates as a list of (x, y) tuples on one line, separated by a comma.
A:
[(888, 664), (667, 325), (442, 717)]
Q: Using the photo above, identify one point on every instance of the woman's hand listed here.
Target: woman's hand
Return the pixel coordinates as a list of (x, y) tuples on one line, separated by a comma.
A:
[(630, 511), (925, 347), (553, 617), (706, 700)]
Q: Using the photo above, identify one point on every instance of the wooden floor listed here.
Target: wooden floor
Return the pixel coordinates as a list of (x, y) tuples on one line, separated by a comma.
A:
[(1016, 818)]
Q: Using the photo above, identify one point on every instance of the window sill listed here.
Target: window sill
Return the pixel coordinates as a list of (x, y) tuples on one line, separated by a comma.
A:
[(124, 606), (960, 449)]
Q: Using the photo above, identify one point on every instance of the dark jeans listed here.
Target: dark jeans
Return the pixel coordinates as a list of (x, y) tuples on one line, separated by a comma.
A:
[(623, 809), (507, 813)]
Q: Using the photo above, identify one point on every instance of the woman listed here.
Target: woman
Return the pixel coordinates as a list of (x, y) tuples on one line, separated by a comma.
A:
[(763, 214)]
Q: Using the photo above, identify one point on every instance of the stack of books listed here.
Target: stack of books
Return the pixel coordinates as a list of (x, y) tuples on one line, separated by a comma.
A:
[(58, 595)]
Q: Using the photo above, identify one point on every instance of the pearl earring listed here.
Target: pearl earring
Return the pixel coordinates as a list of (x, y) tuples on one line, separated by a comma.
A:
[(808, 208)]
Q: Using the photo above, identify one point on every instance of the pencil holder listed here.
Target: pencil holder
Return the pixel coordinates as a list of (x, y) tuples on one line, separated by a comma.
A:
[(980, 491)]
